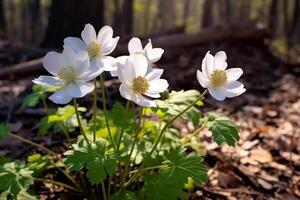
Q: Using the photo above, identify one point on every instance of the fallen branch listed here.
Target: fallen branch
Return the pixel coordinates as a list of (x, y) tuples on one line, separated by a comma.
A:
[(215, 34)]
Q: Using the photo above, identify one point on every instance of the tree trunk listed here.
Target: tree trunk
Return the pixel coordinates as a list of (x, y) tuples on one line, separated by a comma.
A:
[(117, 17), (273, 19), (207, 18), (68, 17), (127, 18), (296, 23), (166, 17), (186, 9), (2, 16)]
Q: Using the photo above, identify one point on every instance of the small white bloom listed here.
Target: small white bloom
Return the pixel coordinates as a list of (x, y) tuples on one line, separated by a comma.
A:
[(71, 72), (137, 83), (221, 83), (135, 47), (152, 54), (97, 46)]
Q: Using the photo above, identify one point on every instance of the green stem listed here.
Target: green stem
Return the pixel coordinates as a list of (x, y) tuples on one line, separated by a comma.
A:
[(66, 174), (57, 183), (187, 138), (122, 130), (44, 102), (79, 121), (126, 167), (133, 178), (64, 130), (48, 151), (105, 111), (33, 144), (148, 168), (103, 191), (94, 109)]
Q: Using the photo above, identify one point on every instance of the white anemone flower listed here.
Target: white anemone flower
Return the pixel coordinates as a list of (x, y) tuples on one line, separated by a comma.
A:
[(72, 73), (137, 83), (221, 83), (98, 46), (135, 47), (152, 54)]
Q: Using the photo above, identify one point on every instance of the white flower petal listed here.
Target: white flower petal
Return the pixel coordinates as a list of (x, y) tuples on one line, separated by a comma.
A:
[(53, 62), (220, 60), (88, 34), (144, 102), (122, 59), (61, 96), (154, 54), (69, 56), (75, 43), (47, 81), (154, 74), (202, 79), (92, 72), (128, 71), (207, 64), (234, 74), (82, 63), (157, 86), (153, 95), (216, 93), (148, 45), (79, 89), (109, 63), (105, 34), (135, 45), (126, 92), (110, 46), (233, 89), (139, 63)]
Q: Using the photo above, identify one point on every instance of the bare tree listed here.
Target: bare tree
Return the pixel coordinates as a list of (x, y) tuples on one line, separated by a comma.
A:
[(296, 23), (166, 16), (68, 17), (273, 20), (127, 18), (2, 16), (207, 18)]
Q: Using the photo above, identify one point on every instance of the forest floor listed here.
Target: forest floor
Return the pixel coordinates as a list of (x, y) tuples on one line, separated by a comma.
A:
[(266, 162)]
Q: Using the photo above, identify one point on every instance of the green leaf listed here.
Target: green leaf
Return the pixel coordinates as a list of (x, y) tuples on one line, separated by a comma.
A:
[(31, 100), (96, 157), (38, 93), (124, 195), (170, 182), (223, 130), (4, 130), (120, 117), (38, 163), (182, 165), (14, 178), (178, 101), (159, 187)]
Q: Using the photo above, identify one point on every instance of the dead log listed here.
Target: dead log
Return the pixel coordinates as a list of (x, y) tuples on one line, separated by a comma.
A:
[(22, 69), (216, 34)]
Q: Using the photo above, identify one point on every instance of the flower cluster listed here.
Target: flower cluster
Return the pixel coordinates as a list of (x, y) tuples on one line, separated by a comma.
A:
[(84, 59)]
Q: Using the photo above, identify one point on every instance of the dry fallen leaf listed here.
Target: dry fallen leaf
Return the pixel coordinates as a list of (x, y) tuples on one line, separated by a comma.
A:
[(261, 155), (266, 185)]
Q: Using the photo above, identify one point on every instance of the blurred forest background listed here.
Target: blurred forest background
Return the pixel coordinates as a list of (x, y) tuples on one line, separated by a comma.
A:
[(46, 22), (260, 36)]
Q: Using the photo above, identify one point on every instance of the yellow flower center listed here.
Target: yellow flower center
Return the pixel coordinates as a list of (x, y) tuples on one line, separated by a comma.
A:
[(140, 85), (67, 74), (139, 53), (218, 78), (94, 49)]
